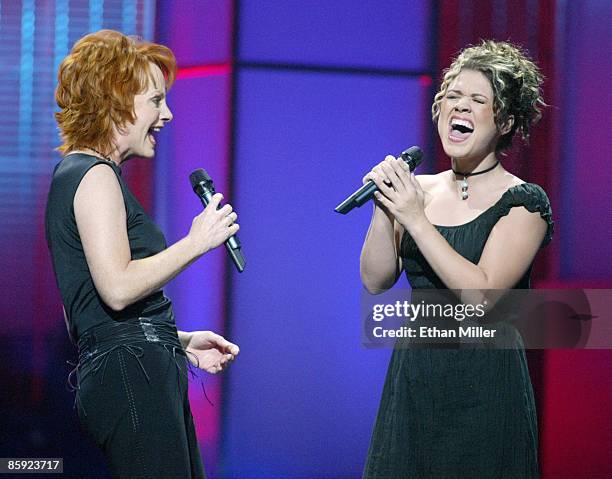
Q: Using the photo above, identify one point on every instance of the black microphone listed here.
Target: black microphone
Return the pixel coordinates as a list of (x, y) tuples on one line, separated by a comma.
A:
[(412, 156), (202, 185)]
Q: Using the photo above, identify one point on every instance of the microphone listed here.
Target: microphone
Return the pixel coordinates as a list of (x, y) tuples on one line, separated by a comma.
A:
[(412, 156), (202, 185)]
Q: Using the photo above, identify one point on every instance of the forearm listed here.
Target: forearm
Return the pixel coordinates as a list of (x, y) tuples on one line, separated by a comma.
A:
[(379, 259), (454, 270), (142, 277)]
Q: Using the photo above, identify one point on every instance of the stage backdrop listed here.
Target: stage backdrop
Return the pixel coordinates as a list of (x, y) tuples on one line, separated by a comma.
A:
[(323, 91), (287, 105)]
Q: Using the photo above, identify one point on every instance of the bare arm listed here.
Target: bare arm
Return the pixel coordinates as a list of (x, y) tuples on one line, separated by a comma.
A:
[(380, 264), (101, 220)]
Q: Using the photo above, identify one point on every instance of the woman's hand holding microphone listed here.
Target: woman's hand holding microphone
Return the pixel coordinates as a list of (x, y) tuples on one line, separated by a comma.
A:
[(212, 227), (400, 194)]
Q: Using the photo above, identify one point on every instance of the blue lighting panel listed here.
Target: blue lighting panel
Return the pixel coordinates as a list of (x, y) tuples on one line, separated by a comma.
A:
[(380, 34), (304, 387)]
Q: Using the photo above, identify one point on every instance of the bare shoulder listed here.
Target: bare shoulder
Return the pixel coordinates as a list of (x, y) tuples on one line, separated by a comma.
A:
[(511, 180), (99, 186), (99, 177)]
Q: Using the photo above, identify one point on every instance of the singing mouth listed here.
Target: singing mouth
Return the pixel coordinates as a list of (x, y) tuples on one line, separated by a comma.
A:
[(154, 130), (460, 129)]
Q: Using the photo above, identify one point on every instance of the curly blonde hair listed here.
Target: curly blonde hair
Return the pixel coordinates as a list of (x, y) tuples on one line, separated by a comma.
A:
[(516, 81), (97, 83)]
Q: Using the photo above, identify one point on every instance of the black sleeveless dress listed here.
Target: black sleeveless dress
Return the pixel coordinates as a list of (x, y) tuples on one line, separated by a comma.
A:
[(459, 413)]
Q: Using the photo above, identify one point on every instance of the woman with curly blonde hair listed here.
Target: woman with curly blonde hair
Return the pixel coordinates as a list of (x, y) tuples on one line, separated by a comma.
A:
[(461, 413), (111, 261)]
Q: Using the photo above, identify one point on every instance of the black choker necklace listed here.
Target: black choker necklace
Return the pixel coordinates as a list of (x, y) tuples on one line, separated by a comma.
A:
[(464, 183), (107, 158)]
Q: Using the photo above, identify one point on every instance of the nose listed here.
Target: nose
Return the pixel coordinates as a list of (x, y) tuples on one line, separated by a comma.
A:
[(462, 105), (166, 114)]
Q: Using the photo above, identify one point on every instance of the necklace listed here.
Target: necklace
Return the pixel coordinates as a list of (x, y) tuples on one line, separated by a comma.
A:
[(107, 158), (464, 183)]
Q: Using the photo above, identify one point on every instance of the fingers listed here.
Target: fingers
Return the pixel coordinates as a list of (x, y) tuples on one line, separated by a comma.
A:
[(386, 202), (384, 171), (225, 346), (225, 209), (384, 187), (230, 219), (215, 201), (399, 172)]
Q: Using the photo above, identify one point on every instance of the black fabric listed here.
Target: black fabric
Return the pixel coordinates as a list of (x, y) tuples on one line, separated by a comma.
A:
[(131, 378), (83, 304), (450, 413), (132, 399)]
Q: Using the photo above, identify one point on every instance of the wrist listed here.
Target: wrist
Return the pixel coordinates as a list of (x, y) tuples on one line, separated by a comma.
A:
[(184, 338), (195, 248), (382, 215), (417, 226)]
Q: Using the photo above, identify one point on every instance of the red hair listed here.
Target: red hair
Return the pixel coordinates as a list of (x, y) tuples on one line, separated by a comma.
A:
[(97, 83)]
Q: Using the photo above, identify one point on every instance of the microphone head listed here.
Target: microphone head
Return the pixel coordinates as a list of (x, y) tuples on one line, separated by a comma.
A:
[(199, 176), (412, 156)]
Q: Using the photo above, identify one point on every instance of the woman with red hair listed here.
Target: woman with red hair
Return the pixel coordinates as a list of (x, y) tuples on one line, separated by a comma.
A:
[(111, 261)]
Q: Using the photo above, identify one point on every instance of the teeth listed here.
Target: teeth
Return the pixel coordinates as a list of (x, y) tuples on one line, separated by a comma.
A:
[(459, 122)]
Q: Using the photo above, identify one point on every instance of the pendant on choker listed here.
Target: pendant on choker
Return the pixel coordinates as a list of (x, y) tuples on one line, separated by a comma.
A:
[(464, 188), (464, 183)]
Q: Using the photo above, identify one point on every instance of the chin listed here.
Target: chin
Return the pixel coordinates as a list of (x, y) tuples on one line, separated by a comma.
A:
[(148, 153), (456, 151)]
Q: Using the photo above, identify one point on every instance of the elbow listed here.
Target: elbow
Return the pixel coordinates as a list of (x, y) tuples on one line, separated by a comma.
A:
[(374, 290), (115, 301), (115, 305), (376, 283), (374, 287)]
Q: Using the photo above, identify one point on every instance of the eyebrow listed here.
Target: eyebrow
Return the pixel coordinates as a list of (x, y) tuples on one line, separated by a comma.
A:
[(473, 94)]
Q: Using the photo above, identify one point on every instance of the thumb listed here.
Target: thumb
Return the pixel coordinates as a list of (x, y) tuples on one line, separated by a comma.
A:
[(224, 345)]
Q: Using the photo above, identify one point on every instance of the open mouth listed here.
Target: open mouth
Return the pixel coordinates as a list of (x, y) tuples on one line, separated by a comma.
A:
[(460, 129), (151, 134)]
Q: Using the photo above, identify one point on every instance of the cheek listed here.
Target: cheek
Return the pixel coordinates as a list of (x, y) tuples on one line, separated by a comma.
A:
[(486, 119), (440, 126)]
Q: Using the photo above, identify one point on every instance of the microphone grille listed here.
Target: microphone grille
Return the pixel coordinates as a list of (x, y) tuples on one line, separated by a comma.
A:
[(199, 176), (412, 156)]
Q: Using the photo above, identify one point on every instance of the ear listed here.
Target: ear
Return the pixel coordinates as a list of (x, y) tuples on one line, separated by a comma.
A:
[(507, 126)]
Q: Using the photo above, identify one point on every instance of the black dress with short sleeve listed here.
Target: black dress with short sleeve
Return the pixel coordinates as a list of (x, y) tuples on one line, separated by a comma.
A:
[(459, 413)]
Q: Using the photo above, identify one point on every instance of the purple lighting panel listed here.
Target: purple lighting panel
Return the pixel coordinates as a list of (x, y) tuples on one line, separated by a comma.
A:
[(198, 31), (381, 34), (196, 138), (304, 387)]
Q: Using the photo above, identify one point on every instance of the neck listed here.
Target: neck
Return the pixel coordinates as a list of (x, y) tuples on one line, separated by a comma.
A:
[(472, 165), (114, 157)]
